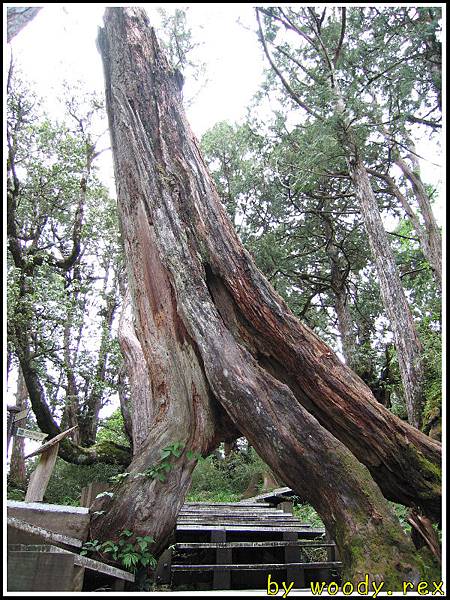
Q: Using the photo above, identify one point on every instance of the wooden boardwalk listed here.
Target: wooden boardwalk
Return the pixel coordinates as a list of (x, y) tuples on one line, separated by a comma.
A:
[(225, 546)]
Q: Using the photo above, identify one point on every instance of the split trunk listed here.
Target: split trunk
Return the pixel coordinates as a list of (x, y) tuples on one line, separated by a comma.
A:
[(222, 354)]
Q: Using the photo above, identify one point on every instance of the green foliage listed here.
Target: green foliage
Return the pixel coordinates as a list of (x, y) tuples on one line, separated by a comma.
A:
[(225, 479), (306, 513), (64, 254), (112, 429), (130, 551), (68, 480), (401, 513)]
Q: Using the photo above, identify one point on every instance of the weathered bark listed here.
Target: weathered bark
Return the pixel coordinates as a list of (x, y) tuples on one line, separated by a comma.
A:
[(214, 334), (17, 470), (138, 380), (18, 17)]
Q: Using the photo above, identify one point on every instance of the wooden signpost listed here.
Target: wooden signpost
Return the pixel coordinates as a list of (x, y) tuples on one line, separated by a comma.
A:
[(41, 475)]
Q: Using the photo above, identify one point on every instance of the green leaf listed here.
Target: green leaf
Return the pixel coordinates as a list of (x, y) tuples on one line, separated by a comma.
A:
[(127, 533)]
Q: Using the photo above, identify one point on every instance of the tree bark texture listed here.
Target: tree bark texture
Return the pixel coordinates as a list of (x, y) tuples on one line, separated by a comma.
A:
[(18, 17), (407, 343), (222, 348)]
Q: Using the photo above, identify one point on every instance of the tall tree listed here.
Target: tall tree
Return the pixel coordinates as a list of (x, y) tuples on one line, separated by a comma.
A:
[(60, 224), (224, 354), (328, 92)]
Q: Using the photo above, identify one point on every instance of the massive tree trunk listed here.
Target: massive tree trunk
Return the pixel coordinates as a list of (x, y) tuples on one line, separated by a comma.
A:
[(220, 347)]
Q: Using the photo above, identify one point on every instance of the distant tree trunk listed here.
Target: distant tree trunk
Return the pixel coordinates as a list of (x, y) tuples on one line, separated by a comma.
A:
[(339, 273), (221, 348), (17, 471), (429, 234), (18, 17), (409, 349)]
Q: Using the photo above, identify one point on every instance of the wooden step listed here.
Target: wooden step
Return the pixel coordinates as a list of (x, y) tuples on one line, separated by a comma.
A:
[(236, 505), (257, 566), (311, 531), (265, 544), (229, 511), (213, 519)]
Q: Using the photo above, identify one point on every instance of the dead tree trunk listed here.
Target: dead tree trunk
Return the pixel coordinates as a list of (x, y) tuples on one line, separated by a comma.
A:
[(221, 348)]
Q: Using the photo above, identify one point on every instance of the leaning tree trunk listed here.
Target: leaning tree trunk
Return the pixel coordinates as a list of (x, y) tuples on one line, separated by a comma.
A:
[(220, 347)]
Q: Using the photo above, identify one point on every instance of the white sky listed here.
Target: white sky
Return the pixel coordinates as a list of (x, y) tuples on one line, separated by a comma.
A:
[(59, 45)]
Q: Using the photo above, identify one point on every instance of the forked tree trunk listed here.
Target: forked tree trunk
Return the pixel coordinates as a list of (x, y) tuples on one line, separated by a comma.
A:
[(224, 355)]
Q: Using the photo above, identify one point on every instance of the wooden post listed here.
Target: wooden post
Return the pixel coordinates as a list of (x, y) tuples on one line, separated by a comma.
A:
[(40, 571), (163, 569), (286, 506), (331, 550), (90, 492), (221, 579), (41, 475), (291, 555), (11, 424)]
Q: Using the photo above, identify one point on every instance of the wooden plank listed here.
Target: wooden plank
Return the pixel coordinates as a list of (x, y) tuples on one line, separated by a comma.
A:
[(236, 505), (30, 571), (257, 566), (41, 475), (52, 442), (275, 494), (71, 521), (256, 528), (263, 544), (245, 521), (80, 561), (21, 532), (229, 510)]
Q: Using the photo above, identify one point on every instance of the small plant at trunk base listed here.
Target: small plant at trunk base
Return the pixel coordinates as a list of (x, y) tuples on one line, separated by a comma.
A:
[(132, 552)]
